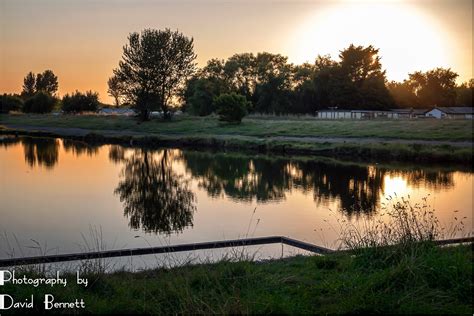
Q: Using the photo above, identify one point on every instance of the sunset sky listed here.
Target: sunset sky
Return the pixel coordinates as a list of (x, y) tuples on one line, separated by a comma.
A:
[(81, 40)]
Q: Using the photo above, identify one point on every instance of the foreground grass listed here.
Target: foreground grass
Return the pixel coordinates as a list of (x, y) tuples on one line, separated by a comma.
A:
[(450, 130), (429, 280)]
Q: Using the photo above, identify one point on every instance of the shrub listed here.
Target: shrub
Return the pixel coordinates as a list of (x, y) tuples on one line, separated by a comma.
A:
[(80, 102), (41, 102), (401, 232), (9, 103), (231, 107)]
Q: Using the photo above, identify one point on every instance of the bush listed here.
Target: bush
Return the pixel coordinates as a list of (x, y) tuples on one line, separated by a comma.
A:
[(80, 102), (231, 107), (41, 102), (9, 103)]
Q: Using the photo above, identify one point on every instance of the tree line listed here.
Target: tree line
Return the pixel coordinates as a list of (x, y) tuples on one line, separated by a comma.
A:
[(157, 71), (39, 95)]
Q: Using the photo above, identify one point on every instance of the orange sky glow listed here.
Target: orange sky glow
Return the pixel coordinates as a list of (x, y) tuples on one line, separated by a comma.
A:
[(81, 41)]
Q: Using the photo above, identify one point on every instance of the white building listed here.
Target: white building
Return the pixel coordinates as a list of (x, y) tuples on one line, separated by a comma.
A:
[(335, 114), (451, 113), (437, 112)]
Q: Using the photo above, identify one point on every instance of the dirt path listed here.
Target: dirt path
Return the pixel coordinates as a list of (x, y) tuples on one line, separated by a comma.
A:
[(67, 131)]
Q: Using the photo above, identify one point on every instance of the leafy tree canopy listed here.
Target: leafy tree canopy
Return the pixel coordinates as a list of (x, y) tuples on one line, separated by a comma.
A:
[(154, 66), (47, 82)]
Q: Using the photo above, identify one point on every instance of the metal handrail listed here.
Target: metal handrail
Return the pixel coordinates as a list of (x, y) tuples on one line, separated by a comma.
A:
[(186, 247)]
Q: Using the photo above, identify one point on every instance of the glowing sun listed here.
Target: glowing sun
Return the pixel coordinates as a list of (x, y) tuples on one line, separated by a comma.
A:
[(408, 39)]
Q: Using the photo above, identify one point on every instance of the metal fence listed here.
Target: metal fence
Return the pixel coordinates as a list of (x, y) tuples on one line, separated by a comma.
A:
[(188, 247)]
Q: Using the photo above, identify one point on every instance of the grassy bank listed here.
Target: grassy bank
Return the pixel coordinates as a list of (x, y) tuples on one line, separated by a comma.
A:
[(432, 280), (261, 127), (374, 140)]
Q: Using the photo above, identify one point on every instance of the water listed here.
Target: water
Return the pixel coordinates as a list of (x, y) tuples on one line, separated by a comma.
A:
[(61, 196)]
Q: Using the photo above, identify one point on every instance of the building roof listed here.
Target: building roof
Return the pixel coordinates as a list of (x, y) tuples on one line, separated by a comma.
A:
[(355, 111), (456, 110), (410, 111), (420, 111)]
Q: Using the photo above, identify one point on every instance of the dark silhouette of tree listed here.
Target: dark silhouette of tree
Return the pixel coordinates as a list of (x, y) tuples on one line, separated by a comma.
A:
[(41, 151), (238, 176), (10, 102), (153, 68), (47, 82), (264, 79), (403, 95), (304, 90), (40, 102), (430, 178), (275, 86), (356, 81), (199, 95), (29, 85), (360, 63), (114, 89), (80, 102), (361, 80), (79, 148), (328, 84), (266, 180), (9, 141), (155, 198), (434, 87), (116, 154), (465, 93), (358, 188), (273, 83), (239, 71)]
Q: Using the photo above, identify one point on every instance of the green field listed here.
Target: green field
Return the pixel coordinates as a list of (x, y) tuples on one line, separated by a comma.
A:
[(375, 140), (428, 280), (449, 130)]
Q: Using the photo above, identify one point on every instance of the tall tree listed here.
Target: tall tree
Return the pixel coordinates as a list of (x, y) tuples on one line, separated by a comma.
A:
[(436, 87), (330, 86), (29, 83), (114, 89), (240, 72), (199, 95), (47, 82), (312, 84), (363, 79), (153, 68), (464, 94), (403, 95), (273, 83)]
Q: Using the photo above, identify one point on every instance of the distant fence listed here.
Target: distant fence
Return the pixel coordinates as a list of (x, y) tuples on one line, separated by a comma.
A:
[(187, 247)]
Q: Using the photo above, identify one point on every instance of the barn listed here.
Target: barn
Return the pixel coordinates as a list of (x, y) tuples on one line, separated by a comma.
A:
[(451, 113)]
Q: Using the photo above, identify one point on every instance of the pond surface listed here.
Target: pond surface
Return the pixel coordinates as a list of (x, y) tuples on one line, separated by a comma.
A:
[(66, 195)]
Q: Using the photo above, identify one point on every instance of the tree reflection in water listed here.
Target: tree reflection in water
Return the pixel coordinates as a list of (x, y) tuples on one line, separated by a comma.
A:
[(41, 151), (116, 153), (357, 187), (44, 151), (79, 148), (155, 198)]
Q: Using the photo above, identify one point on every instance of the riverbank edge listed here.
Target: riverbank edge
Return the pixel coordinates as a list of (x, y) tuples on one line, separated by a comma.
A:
[(384, 152), (431, 280)]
